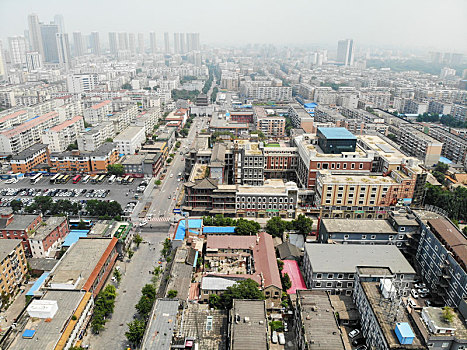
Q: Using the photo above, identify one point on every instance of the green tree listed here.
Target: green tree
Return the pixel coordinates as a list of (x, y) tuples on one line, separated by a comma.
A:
[(172, 294), (82, 225), (166, 248), (442, 167), (103, 307), (43, 203), (149, 291), (260, 134), (276, 226), (448, 314), (286, 283), (115, 169), (303, 224), (277, 326), (215, 301), (392, 137), (87, 125), (158, 182), (144, 306), (130, 254), (102, 208), (244, 289), (247, 227), (72, 146), (135, 331), (118, 275), (137, 239), (127, 86), (109, 139), (16, 205)]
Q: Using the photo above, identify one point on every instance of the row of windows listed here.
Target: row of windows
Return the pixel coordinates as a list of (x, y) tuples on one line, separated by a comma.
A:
[(338, 166), (338, 284), (269, 206), (266, 199), (331, 276)]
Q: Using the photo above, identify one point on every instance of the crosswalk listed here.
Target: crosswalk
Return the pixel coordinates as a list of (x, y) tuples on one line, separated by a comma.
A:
[(159, 220)]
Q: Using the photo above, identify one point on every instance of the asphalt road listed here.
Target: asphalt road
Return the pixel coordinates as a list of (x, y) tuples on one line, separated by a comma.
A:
[(135, 276)]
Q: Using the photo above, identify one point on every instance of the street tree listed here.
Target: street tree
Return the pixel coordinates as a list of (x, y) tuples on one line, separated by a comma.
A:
[(303, 224), (276, 226), (135, 331), (115, 169)]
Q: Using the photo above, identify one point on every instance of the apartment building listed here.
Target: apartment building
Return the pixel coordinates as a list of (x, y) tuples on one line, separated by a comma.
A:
[(260, 92), (409, 106), (251, 158), (8, 119), (437, 107), (80, 83), (333, 267), (385, 322), (91, 139), (130, 140), (459, 112), (316, 325), (274, 198), (454, 147), (98, 112), (20, 137), (16, 226), (441, 258), (148, 119), (30, 158), (60, 136), (420, 145), (271, 126), (46, 239), (85, 162), (12, 265), (245, 116), (280, 162), (300, 118), (124, 118)]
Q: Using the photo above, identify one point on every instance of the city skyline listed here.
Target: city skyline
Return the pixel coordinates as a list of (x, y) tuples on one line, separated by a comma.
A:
[(260, 23)]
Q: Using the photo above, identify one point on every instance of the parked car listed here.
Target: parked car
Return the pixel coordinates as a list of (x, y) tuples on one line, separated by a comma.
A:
[(412, 303), (414, 294), (358, 341), (362, 347), (354, 333), (281, 339), (428, 303), (274, 337), (420, 285), (423, 291), (143, 223)]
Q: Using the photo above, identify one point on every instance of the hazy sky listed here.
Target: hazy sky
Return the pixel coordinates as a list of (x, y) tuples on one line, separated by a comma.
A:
[(431, 24)]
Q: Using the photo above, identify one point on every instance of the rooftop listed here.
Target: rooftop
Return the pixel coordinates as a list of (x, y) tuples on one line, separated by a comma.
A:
[(249, 327), (7, 246), (216, 283), (66, 123), (357, 226), (271, 186), (129, 133), (319, 323), (435, 315), (337, 133), (102, 104), (131, 159), (345, 258), (161, 325), (47, 227), (230, 242), (29, 152), (21, 222), (451, 237), (328, 177)]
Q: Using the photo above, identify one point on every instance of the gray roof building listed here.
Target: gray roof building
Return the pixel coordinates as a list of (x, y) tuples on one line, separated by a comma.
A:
[(161, 326), (249, 327), (7, 246)]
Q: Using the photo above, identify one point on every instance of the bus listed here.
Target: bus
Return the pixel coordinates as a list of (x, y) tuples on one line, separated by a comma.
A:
[(86, 179), (35, 179), (54, 178), (125, 180), (94, 179), (76, 179), (65, 179), (101, 179), (58, 180), (112, 179)]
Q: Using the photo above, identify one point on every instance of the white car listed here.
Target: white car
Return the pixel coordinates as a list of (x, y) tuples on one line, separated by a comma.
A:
[(414, 294), (274, 337), (412, 303), (143, 223), (281, 338), (171, 175), (354, 333)]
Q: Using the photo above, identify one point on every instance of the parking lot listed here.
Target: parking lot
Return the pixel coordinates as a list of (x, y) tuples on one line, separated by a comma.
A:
[(25, 191)]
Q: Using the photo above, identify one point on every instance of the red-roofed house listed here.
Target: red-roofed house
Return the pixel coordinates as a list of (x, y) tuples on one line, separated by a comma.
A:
[(293, 270)]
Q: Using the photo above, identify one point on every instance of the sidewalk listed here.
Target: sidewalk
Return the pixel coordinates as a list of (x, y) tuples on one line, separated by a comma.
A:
[(8, 317)]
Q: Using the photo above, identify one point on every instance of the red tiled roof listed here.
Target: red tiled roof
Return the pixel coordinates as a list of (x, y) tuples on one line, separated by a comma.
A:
[(29, 124), (66, 123), (292, 269), (12, 115), (264, 256), (102, 104), (230, 242)]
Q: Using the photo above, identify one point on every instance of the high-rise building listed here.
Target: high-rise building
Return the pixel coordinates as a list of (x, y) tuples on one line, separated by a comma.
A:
[(60, 22), (140, 43), (78, 44), (189, 46), (196, 43), (166, 43), (64, 52), (113, 43), (2, 63), (132, 42), (153, 42), (35, 35), (49, 42), (176, 43), (33, 61), (182, 43), (123, 41), (95, 43), (345, 52), (17, 49)]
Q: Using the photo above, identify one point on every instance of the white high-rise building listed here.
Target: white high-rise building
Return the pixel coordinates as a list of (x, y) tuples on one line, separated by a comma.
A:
[(132, 43), (153, 42), (123, 41), (95, 43), (345, 52), (113, 43), (33, 61), (182, 43), (78, 44), (140, 43), (64, 52), (79, 83), (2, 63), (60, 22), (35, 36), (17, 49), (176, 43), (166, 43)]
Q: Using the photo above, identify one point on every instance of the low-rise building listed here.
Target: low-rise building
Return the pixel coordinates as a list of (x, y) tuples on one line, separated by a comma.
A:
[(248, 325), (92, 138), (12, 264), (30, 158), (48, 236), (332, 267), (129, 141), (316, 325), (17, 226)]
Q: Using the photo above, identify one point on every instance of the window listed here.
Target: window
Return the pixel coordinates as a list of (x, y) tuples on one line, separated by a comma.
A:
[(360, 166), (318, 284), (352, 166), (346, 236), (349, 284), (319, 276), (363, 236), (329, 284), (351, 275), (344, 166), (330, 276), (373, 236), (402, 229), (340, 276)]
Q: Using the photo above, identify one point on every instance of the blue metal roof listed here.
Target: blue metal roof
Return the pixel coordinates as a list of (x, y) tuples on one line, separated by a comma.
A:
[(73, 237), (37, 284), (310, 105), (192, 223), (219, 229), (29, 333), (337, 133)]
